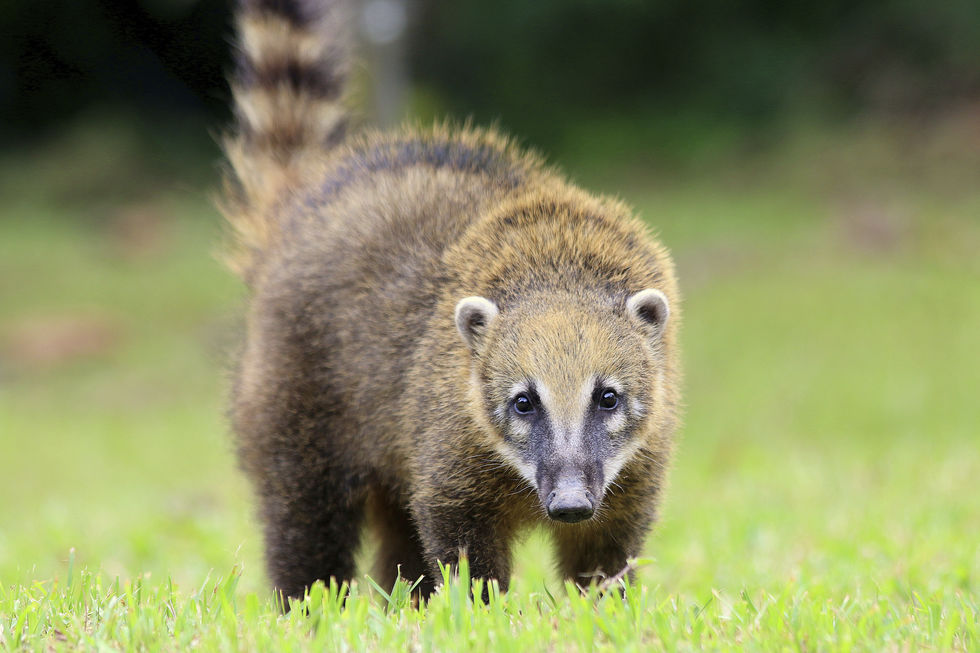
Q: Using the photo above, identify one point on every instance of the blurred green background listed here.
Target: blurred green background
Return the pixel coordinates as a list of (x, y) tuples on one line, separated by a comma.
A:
[(814, 167)]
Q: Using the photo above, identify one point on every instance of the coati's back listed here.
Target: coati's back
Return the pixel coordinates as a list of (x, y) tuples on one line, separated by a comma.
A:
[(439, 327)]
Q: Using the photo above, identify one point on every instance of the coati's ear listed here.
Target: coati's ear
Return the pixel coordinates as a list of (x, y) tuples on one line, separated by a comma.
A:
[(650, 308), (473, 316)]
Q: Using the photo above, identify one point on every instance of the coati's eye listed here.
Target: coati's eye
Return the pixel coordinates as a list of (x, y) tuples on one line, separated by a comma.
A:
[(523, 404), (608, 399)]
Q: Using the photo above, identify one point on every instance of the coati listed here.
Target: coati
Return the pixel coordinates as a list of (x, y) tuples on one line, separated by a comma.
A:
[(445, 338)]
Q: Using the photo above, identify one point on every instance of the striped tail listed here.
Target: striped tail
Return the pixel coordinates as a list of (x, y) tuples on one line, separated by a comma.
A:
[(292, 62)]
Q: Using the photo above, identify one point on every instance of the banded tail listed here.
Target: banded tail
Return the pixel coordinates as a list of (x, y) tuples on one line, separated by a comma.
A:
[(292, 62)]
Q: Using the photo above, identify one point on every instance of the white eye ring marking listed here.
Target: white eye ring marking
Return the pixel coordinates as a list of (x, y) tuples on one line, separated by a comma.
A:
[(615, 422)]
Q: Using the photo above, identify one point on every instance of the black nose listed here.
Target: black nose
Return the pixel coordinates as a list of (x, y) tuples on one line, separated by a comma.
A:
[(569, 505)]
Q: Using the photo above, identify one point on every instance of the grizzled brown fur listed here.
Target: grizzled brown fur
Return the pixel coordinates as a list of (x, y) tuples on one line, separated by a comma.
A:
[(411, 294)]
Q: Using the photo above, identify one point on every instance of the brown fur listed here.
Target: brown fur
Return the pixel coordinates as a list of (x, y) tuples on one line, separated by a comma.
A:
[(356, 395)]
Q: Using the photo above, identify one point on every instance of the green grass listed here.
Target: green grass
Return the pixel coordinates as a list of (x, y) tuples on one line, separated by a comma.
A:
[(824, 492), (89, 611)]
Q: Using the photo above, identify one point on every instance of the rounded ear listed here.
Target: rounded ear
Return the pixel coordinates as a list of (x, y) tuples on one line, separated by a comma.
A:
[(473, 316), (649, 307)]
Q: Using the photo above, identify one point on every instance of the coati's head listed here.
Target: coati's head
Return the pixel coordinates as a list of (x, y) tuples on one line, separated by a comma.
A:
[(568, 387)]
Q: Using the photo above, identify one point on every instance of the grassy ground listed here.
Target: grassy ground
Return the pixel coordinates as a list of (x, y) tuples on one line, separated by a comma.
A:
[(824, 494)]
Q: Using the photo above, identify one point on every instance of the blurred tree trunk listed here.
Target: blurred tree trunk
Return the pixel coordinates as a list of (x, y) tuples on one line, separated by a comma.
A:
[(383, 26)]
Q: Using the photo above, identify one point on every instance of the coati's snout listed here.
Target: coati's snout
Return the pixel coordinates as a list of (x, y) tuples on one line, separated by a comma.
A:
[(569, 496), (570, 505)]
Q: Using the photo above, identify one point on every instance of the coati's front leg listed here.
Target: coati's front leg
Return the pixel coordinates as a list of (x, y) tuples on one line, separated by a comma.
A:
[(296, 443), (312, 531), (448, 528), (400, 552), (591, 554)]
